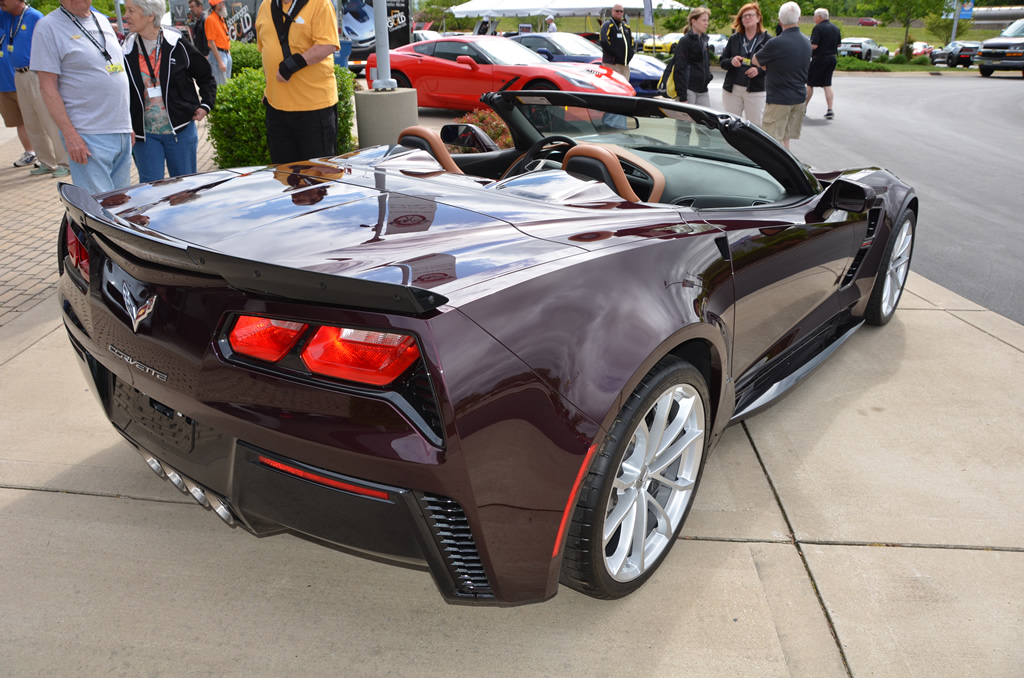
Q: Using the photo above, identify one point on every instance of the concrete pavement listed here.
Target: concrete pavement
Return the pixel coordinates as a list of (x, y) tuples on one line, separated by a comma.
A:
[(871, 524)]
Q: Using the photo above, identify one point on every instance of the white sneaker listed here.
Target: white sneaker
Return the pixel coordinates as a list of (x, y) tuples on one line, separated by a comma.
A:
[(27, 158)]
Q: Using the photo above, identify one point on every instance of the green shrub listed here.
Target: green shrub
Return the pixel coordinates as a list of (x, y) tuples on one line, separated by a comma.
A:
[(883, 58), (492, 125), (244, 55), (849, 63), (237, 127), (921, 60), (899, 59)]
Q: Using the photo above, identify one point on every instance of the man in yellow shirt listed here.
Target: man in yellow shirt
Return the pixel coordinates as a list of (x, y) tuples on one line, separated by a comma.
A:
[(297, 40)]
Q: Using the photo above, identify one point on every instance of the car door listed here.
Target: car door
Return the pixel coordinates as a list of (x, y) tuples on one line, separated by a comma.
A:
[(790, 254), (458, 84)]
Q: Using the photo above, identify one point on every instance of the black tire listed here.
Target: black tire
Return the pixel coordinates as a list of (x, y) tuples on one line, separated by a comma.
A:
[(401, 79), (677, 389), (951, 61), (542, 84), (867, 55), (889, 282), (986, 71)]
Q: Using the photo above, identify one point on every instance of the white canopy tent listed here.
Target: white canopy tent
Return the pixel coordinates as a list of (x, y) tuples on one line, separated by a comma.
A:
[(504, 8)]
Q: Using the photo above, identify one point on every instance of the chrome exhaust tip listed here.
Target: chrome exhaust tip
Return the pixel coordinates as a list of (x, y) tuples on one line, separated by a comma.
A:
[(220, 508), (153, 463), (197, 492), (175, 478)]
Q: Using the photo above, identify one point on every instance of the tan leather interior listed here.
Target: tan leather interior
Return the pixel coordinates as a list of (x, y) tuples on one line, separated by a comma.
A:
[(611, 163), (656, 175), (433, 142)]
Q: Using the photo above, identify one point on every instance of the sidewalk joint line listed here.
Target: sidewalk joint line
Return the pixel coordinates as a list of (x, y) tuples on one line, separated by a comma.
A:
[(913, 545), (983, 330), (87, 493), (799, 550)]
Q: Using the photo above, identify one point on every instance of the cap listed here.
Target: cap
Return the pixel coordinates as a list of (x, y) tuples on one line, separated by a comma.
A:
[(551, 17), (214, 3)]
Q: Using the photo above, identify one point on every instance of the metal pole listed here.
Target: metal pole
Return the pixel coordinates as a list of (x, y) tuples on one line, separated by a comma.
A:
[(956, 18), (383, 81)]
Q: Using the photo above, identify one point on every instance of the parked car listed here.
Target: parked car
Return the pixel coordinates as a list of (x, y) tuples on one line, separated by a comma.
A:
[(956, 53), (867, 21), (717, 42), (515, 382), (454, 72), (862, 48), (1002, 53), (421, 35), (662, 44), (357, 24), (921, 49), (644, 71)]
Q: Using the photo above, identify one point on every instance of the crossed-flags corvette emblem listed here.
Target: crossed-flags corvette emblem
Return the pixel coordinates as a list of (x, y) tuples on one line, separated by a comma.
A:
[(137, 314)]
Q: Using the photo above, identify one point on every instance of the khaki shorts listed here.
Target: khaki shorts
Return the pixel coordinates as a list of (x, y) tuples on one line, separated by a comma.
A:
[(9, 109), (783, 122)]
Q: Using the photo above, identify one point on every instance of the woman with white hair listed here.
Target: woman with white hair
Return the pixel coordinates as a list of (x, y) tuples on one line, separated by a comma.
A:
[(164, 72)]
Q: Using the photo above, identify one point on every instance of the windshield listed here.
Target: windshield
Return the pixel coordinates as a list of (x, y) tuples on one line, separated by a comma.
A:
[(664, 132), (1014, 30), (671, 37), (572, 44), (508, 52)]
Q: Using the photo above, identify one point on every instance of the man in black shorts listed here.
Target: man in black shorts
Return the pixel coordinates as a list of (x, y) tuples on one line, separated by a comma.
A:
[(825, 39)]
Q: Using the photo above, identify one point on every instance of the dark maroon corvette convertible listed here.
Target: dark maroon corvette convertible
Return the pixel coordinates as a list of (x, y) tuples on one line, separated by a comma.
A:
[(509, 365)]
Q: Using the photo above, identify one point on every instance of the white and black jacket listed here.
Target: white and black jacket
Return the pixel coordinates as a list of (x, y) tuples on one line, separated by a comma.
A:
[(182, 69)]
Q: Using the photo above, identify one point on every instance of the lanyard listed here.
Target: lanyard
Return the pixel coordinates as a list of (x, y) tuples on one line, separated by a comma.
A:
[(156, 57), (750, 45), (16, 27), (102, 48)]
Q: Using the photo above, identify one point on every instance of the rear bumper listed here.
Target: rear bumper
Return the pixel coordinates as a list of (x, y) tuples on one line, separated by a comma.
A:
[(1000, 63), (243, 484)]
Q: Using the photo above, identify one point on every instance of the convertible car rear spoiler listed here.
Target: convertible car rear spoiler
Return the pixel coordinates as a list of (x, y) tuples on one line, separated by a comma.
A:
[(244, 274)]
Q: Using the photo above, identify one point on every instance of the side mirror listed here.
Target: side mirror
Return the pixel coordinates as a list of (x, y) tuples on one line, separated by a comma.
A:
[(467, 136), (466, 60), (852, 196), (546, 53)]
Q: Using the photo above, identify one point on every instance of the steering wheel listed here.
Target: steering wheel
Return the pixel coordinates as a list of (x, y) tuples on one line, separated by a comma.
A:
[(532, 153)]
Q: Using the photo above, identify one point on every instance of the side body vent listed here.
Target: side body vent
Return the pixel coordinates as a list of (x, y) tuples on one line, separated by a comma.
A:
[(450, 528), (854, 267)]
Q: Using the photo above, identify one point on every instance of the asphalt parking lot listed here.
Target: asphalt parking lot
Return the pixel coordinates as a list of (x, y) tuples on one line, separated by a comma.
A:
[(871, 524)]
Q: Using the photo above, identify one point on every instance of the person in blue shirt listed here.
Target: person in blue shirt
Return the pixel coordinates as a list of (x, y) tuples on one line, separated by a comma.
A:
[(9, 109), (40, 128)]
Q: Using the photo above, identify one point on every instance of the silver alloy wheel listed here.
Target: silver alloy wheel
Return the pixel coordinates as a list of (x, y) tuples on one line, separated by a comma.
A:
[(899, 265), (654, 485)]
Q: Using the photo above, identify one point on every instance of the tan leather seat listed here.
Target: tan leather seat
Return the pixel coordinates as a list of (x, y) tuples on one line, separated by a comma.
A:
[(426, 139), (600, 164)]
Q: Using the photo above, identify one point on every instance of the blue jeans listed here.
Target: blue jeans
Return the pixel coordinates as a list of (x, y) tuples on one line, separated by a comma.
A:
[(109, 165), (219, 77), (178, 151)]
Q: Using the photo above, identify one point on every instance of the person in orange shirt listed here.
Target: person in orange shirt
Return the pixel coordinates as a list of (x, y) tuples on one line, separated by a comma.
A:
[(220, 45), (297, 41)]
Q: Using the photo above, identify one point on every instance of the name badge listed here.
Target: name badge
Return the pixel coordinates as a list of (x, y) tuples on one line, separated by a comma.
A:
[(153, 92), (114, 69), (10, 48)]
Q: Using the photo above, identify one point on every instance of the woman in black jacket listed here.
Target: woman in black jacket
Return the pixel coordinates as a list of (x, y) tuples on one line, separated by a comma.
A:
[(743, 92), (691, 62), (164, 71)]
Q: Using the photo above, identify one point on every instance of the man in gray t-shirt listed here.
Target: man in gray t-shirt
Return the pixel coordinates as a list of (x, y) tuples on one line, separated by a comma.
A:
[(85, 87)]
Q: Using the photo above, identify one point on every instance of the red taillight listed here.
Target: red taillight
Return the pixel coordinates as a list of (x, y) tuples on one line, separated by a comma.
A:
[(323, 480), (264, 338), (77, 253), (365, 356)]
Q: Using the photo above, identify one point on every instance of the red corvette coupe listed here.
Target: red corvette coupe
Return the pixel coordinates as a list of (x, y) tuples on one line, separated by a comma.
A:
[(454, 72)]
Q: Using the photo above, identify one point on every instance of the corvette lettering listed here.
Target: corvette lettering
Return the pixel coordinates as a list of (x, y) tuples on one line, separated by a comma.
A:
[(135, 363)]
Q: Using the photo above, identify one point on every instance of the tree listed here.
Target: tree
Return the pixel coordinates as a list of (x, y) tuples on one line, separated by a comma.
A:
[(904, 11), (943, 27), (722, 12), (434, 10)]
